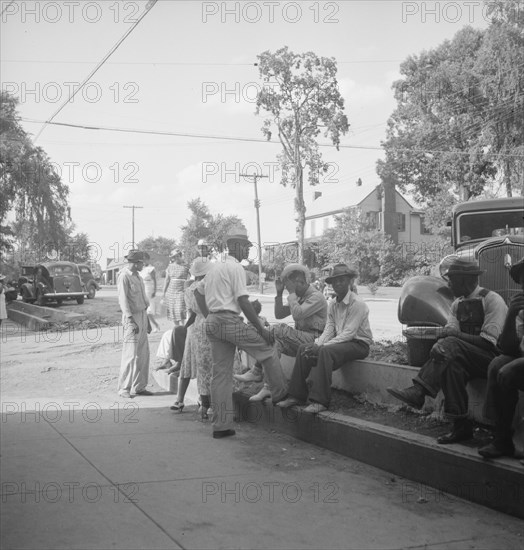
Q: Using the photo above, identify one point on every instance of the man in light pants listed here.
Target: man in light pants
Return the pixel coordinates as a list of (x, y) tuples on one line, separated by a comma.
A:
[(134, 367), (224, 295)]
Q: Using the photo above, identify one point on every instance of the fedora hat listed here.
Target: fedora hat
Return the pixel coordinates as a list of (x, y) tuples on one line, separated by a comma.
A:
[(516, 271), (135, 256), (175, 252), (200, 266), (462, 266), (291, 268), (237, 233), (341, 270)]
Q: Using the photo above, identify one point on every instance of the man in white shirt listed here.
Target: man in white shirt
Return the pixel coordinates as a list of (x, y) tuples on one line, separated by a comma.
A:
[(224, 295), (346, 336)]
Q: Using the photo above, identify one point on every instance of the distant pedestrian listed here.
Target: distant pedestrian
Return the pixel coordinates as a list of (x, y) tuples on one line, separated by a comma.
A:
[(148, 275), (176, 277), (3, 309), (134, 367)]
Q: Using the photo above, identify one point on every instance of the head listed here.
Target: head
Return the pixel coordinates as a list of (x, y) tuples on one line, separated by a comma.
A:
[(135, 260), (146, 258), (257, 306), (298, 281), (462, 276), (203, 248), (342, 279), (200, 267), (517, 273), (237, 243), (176, 256)]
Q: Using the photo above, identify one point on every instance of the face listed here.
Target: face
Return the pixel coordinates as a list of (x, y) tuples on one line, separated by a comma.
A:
[(239, 249), (298, 285), (341, 285), (462, 285)]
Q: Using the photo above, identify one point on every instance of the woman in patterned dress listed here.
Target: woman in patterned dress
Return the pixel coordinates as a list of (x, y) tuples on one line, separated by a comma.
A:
[(176, 276), (197, 361)]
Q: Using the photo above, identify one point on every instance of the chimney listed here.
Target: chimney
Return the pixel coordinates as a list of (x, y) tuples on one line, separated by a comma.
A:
[(389, 209)]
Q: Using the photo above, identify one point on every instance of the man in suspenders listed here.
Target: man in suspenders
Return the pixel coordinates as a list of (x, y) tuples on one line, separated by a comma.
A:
[(464, 350)]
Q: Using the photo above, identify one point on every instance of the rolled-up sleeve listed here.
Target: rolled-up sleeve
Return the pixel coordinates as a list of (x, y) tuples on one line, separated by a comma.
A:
[(495, 310)]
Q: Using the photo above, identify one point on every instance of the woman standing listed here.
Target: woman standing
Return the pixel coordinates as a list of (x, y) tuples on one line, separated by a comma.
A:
[(176, 276), (197, 359), (148, 275), (3, 309)]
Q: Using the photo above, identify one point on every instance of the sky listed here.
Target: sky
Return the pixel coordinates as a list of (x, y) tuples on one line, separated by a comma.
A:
[(188, 68)]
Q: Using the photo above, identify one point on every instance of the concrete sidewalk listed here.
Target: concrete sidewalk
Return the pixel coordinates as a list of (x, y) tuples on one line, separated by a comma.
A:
[(133, 475)]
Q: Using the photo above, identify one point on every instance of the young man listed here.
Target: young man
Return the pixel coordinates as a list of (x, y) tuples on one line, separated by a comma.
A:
[(306, 305), (224, 295), (134, 367), (465, 348), (506, 374), (346, 336)]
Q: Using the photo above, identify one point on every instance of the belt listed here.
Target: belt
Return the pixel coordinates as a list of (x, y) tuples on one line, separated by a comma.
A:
[(224, 311)]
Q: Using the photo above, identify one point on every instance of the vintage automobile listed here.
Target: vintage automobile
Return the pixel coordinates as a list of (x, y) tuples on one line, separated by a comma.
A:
[(53, 281), (489, 231), (88, 280)]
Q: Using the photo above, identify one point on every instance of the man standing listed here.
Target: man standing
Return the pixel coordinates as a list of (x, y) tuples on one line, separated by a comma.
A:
[(226, 296), (306, 305), (346, 336), (465, 348), (506, 374), (134, 367)]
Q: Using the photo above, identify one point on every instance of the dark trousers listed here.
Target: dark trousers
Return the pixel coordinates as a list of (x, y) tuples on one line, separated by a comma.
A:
[(505, 379), (178, 342), (453, 362), (315, 374)]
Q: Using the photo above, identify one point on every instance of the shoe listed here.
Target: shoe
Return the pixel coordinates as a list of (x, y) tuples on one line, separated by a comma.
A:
[(263, 394), (177, 406), (125, 394), (247, 377), (219, 434), (288, 402), (144, 392), (315, 408), (413, 396), (496, 449), (462, 431)]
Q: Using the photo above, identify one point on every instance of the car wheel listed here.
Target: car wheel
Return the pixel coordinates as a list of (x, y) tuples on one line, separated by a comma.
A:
[(40, 299), (91, 292), (80, 300)]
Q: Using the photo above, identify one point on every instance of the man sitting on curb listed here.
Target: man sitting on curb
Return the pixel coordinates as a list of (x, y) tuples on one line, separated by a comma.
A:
[(506, 374), (347, 336), (465, 348), (308, 307)]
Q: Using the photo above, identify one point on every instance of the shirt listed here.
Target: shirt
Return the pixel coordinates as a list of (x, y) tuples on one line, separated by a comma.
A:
[(131, 293), (309, 311), (495, 310), (346, 320), (223, 285), (519, 325)]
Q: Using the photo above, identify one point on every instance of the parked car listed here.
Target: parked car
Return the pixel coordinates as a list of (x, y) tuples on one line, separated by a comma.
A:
[(489, 231), (88, 280), (52, 281)]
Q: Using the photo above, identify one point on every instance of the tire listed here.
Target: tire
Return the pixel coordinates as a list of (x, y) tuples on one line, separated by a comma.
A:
[(40, 299), (80, 300), (91, 292)]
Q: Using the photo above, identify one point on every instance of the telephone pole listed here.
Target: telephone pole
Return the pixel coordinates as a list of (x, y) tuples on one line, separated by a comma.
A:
[(133, 207), (257, 207)]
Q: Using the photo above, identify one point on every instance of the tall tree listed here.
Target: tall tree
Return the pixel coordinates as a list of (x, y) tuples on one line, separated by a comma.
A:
[(30, 186), (301, 94), (160, 245)]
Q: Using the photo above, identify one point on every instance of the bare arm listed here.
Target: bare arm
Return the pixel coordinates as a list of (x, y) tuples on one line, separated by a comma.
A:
[(251, 316), (201, 301)]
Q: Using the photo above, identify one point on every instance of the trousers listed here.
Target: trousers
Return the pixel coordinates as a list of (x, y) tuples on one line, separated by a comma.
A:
[(226, 332), (134, 365)]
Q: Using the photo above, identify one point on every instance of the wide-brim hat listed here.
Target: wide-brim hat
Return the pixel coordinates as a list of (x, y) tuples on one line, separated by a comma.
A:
[(135, 256), (237, 233), (200, 266), (291, 268), (341, 270), (175, 252), (462, 266), (516, 271)]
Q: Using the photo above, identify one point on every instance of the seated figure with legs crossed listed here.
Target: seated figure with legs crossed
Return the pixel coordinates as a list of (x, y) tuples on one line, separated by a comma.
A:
[(306, 305)]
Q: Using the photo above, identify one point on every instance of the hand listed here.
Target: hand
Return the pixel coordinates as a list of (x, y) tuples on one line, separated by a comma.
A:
[(290, 286), (279, 285), (266, 334), (310, 351), (134, 327), (516, 304), (449, 331)]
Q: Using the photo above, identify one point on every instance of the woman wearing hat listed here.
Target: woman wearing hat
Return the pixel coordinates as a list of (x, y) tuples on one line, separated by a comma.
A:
[(176, 277), (196, 361)]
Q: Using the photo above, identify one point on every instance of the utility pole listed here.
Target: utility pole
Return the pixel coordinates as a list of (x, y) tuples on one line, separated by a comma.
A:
[(133, 223), (257, 207)]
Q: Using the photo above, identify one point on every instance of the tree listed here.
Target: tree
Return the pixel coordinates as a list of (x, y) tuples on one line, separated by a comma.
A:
[(159, 245), (30, 186), (301, 95)]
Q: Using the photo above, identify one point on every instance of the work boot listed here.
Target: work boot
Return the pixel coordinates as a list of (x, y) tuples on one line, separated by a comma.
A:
[(497, 448), (413, 396), (462, 431)]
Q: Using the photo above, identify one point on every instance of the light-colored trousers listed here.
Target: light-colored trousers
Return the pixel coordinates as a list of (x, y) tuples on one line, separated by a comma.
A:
[(226, 331), (134, 366)]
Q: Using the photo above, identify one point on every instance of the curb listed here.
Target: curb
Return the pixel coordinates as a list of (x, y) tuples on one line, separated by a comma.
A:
[(434, 471)]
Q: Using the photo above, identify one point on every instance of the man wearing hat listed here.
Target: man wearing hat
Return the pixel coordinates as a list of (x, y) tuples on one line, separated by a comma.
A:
[(306, 305), (506, 374), (134, 367), (224, 294), (465, 348), (346, 336)]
